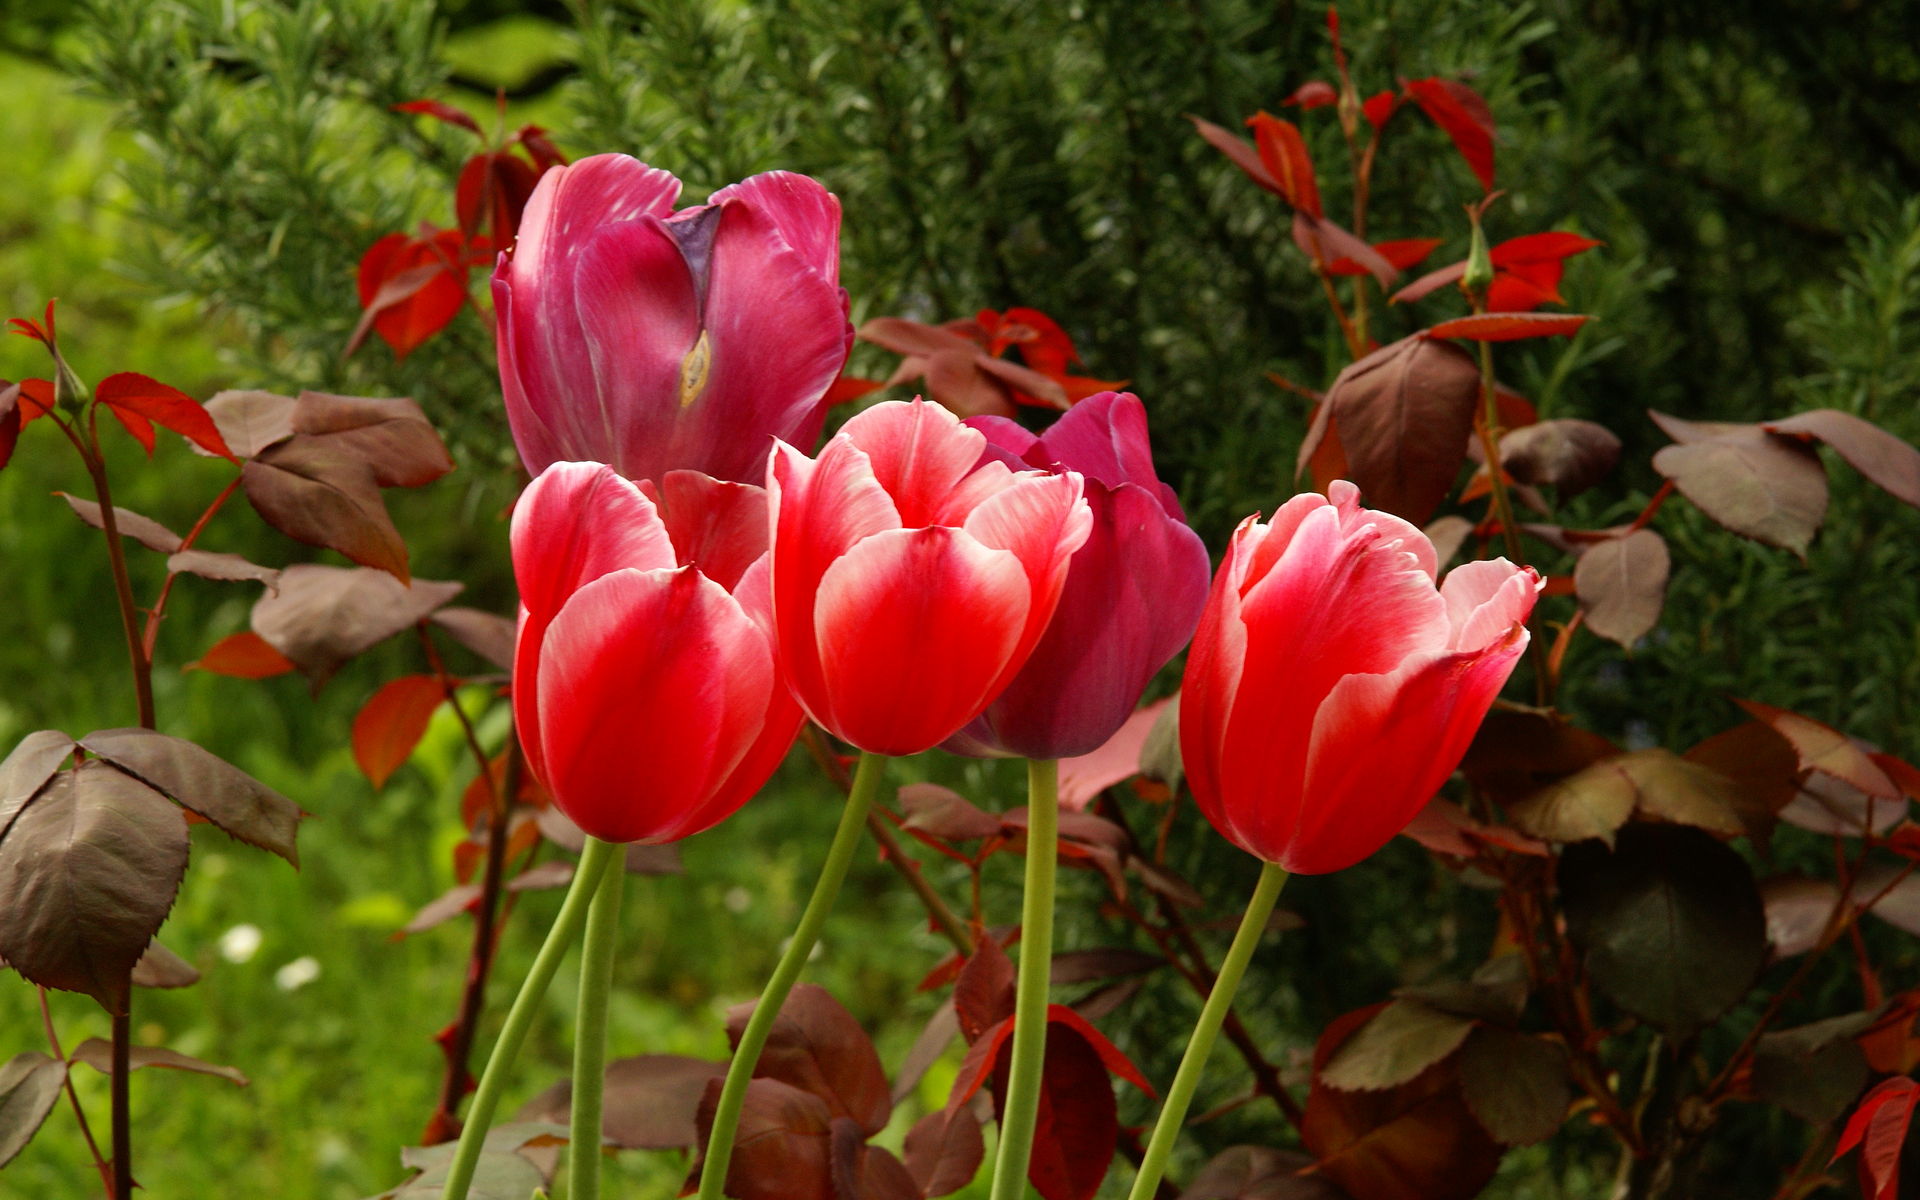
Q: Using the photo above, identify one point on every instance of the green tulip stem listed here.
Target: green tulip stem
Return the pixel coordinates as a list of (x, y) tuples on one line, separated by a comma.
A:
[(1030, 990), (1173, 1115), (590, 1035), (733, 1094), (595, 861)]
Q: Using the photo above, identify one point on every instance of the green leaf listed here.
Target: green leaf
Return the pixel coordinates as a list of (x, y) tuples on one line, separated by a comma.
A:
[(1404, 1039), (1517, 1085), (89, 871), (1669, 920), (29, 1088)]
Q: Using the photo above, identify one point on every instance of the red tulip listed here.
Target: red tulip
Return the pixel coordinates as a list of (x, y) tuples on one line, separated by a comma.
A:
[(1134, 591), (646, 693), (652, 340), (911, 580), (1332, 688)]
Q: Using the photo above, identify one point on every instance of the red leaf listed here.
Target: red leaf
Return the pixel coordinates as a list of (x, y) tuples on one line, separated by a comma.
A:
[(1314, 93), (1459, 110), (1320, 240), (36, 399), (540, 148), (10, 421), (391, 724), (1825, 749), (1508, 326), (491, 194), (1380, 107), (1511, 293), (244, 655), (1879, 1127), (410, 288), (148, 399), (1110, 1055), (440, 110), (1401, 254), (983, 994), (1236, 148), (1044, 346), (1283, 152), (852, 387), (1552, 246), (817, 1046)]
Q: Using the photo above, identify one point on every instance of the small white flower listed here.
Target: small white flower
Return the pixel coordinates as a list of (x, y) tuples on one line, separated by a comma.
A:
[(240, 944), (738, 899), (297, 974)]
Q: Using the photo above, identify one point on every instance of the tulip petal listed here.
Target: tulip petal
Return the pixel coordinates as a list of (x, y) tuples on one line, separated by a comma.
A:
[(718, 526), (1011, 440), (640, 321), (1383, 745), (1104, 437), (817, 510), (1485, 599), (915, 629), (804, 214), (919, 452), (778, 336), (1043, 520), (653, 687), (574, 524)]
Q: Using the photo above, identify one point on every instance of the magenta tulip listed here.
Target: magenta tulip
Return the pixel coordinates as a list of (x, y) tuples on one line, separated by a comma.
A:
[(646, 693), (655, 340), (1332, 687), (912, 580), (1133, 594)]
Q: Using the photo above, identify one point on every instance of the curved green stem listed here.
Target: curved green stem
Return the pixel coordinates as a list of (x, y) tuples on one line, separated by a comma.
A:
[(1180, 1096), (1030, 994), (733, 1094), (595, 860), (590, 1034)]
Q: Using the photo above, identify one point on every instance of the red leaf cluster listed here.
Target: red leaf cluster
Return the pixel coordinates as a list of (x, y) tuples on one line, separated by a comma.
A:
[(963, 366)]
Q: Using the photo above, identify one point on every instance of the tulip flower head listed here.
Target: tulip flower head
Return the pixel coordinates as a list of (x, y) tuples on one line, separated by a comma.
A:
[(655, 340), (646, 694), (1133, 594), (1332, 687), (912, 580)]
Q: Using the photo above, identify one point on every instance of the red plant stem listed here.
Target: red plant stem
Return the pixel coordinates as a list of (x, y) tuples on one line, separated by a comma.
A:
[(943, 917), (487, 917), (73, 1097), (158, 611), (122, 1100), (1355, 347), (1845, 915), (1653, 506)]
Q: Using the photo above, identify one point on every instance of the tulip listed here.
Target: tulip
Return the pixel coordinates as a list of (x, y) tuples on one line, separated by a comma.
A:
[(653, 340), (1133, 594), (911, 579), (1332, 687), (646, 693)]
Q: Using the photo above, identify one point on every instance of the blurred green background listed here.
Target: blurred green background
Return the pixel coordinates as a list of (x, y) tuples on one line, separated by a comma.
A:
[(196, 180)]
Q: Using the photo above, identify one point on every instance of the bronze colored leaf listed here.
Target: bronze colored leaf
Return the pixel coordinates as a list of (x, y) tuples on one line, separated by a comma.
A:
[(89, 870), (1109, 962), (211, 564), (442, 908), (206, 783), (944, 1150), (1403, 415), (1814, 1071), (486, 634), (1259, 1173), (1886, 461), (1622, 584), (903, 336), (250, 421), (782, 1149), (650, 1101), (816, 1045), (1448, 534), (1518, 1085), (160, 967), (30, 1086), (1759, 485), (1797, 911), (931, 1043), (1899, 902), (392, 436), (1764, 770), (322, 616), (1402, 1040), (1496, 993), (26, 770), (863, 1172), (323, 496), (945, 813), (1825, 749), (1669, 921), (98, 1054), (1518, 751), (145, 530)]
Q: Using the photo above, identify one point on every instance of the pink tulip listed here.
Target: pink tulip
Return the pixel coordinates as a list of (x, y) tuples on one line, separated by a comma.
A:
[(646, 693), (1332, 688), (911, 580), (1134, 591), (652, 340)]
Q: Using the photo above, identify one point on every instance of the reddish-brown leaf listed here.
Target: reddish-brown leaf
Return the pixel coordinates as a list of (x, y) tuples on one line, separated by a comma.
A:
[(322, 616), (782, 1150), (816, 1045), (1622, 584), (1825, 749), (1418, 1141), (169, 407), (1401, 254), (392, 722), (491, 194), (1237, 148), (98, 1054), (10, 420), (546, 156), (1283, 152), (1760, 485), (1884, 459), (1322, 241), (1509, 326), (143, 529), (325, 496), (1570, 454), (903, 336), (983, 994), (1459, 110), (440, 110), (243, 655), (250, 421), (1259, 1173), (1315, 93), (1403, 415), (943, 1151)]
